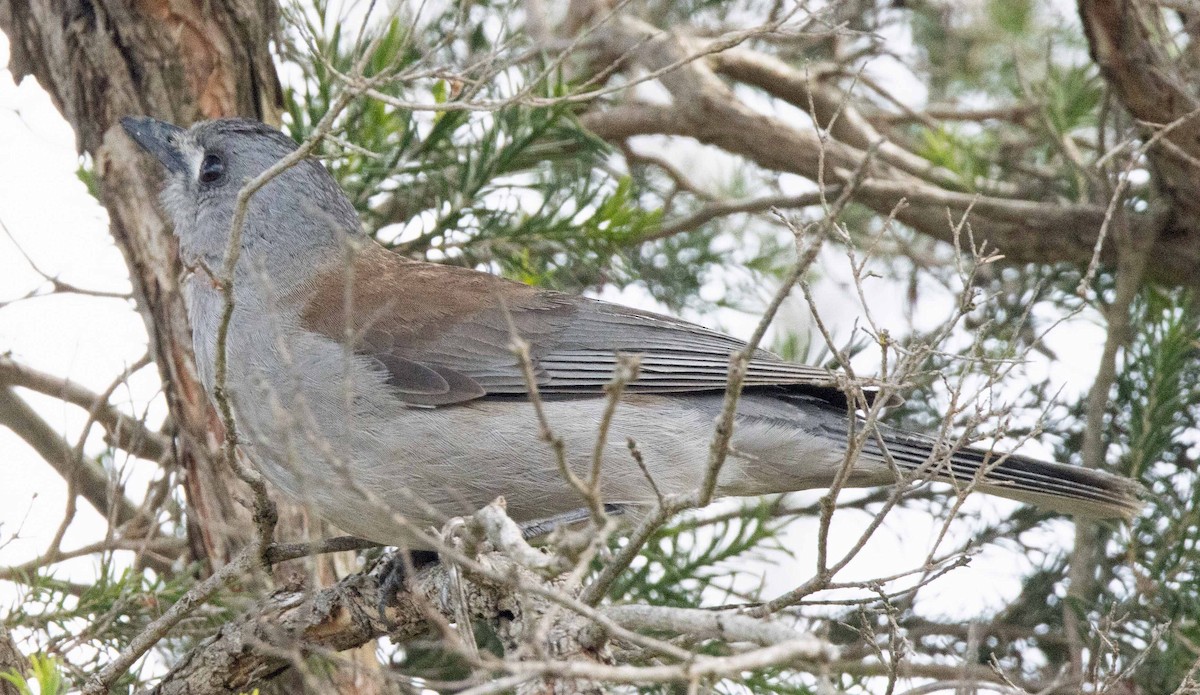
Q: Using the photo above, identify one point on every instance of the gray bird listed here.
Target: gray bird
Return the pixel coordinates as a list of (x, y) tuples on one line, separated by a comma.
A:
[(383, 391)]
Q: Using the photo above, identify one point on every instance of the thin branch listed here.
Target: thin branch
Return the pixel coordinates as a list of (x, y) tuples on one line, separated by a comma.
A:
[(699, 624), (164, 547), (282, 552), (93, 480), (125, 432), (794, 653), (241, 566), (58, 286), (935, 114), (712, 211)]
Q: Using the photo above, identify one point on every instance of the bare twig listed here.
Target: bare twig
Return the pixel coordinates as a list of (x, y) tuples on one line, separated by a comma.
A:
[(243, 564), (125, 432), (726, 626), (712, 211), (58, 286), (282, 552), (166, 547)]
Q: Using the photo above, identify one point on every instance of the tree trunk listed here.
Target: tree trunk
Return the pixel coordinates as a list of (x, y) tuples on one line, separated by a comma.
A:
[(180, 61)]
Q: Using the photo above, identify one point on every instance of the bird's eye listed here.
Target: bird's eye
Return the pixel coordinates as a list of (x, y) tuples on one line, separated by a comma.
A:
[(211, 169)]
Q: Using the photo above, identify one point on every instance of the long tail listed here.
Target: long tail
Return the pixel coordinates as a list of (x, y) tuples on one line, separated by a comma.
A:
[(1055, 486)]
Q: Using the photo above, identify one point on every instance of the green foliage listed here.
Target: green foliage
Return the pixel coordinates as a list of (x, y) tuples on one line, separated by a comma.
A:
[(978, 49), (680, 566), (769, 682), (1070, 95), (697, 562), (1009, 53), (526, 191), (87, 174), (1155, 420), (106, 614), (1013, 17), (969, 155), (45, 671), (522, 189), (433, 659)]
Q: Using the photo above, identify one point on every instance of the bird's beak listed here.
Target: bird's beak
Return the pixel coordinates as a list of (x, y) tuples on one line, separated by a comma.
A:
[(159, 138)]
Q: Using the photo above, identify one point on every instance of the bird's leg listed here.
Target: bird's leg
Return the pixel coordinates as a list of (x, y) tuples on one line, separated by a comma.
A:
[(394, 576)]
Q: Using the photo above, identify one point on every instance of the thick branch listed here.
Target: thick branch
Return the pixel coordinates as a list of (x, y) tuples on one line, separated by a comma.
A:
[(256, 646), (91, 480), (1155, 88), (181, 61), (11, 659), (125, 432), (705, 109), (829, 107), (1026, 231), (516, 589)]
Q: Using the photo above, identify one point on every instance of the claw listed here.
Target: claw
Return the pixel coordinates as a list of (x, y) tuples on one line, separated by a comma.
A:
[(394, 577)]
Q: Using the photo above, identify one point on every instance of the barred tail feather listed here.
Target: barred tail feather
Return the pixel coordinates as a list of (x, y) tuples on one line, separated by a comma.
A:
[(1058, 487)]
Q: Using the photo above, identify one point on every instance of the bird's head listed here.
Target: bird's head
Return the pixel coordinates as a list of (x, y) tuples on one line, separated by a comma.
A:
[(207, 166)]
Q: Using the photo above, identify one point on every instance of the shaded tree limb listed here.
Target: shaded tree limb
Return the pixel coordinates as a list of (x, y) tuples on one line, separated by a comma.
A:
[(11, 659), (831, 108), (705, 109), (254, 647), (711, 211), (125, 432), (93, 483), (106, 59), (1155, 88)]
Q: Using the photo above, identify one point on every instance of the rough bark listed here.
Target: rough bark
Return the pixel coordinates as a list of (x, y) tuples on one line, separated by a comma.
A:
[(1127, 42), (11, 659), (291, 625), (704, 108), (181, 61)]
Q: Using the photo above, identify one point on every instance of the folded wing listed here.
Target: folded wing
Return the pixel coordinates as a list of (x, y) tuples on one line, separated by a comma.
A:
[(443, 335)]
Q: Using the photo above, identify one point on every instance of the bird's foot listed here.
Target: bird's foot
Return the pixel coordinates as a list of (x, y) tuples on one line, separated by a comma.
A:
[(394, 576)]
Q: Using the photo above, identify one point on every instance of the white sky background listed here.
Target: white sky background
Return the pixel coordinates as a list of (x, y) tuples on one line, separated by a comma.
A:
[(90, 340), (54, 220)]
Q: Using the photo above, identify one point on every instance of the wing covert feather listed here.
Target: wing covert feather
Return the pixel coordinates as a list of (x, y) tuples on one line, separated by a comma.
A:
[(442, 335)]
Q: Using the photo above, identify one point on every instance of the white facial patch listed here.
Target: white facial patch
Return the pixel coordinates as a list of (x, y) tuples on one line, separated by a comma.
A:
[(193, 156)]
